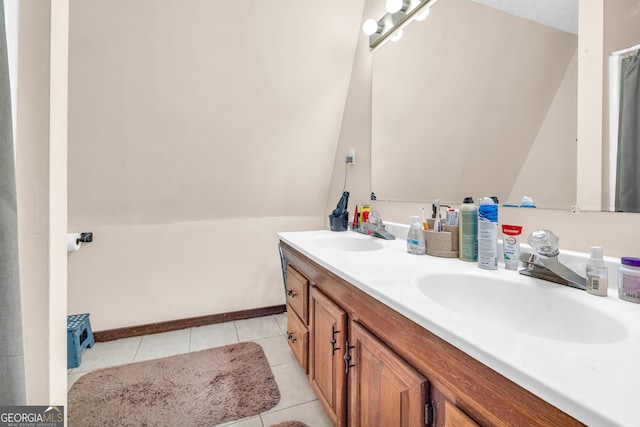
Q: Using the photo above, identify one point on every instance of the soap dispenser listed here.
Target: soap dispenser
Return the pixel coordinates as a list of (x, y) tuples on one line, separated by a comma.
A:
[(415, 238)]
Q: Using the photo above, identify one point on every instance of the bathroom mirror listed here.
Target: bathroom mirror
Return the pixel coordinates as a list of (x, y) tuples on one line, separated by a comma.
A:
[(475, 102)]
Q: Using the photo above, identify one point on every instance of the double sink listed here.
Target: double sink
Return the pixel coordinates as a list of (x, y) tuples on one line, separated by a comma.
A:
[(518, 305), (575, 350)]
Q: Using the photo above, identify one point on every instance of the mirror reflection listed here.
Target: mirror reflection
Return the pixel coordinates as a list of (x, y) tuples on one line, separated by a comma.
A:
[(474, 101)]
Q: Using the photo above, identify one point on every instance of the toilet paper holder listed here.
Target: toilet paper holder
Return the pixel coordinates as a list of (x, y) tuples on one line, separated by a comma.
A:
[(86, 237)]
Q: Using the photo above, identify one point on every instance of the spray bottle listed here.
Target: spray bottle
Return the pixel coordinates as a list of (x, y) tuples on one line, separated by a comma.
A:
[(488, 234), (468, 243)]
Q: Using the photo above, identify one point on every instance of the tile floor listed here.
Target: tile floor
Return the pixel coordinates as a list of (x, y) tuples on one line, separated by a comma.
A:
[(298, 401)]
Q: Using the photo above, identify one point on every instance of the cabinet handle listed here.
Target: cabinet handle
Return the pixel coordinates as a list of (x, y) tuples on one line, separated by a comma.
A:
[(333, 341), (290, 337), (347, 358), (291, 294)]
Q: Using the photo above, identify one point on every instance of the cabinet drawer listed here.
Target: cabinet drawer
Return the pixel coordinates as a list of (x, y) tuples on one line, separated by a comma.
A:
[(298, 294), (298, 338)]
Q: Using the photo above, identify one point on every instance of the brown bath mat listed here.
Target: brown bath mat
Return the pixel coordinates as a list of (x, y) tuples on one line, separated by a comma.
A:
[(290, 424), (202, 388)]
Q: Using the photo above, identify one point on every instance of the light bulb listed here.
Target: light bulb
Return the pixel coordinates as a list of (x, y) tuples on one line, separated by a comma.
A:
[(396, 36), (394, 6), (370, 27), (423, 15)]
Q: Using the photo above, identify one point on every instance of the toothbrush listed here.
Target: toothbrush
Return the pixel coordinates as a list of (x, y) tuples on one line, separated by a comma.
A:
[(437, 227), (424, 221)]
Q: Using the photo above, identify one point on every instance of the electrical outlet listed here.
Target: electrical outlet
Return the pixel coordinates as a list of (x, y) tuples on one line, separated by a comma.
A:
[(351, 156)]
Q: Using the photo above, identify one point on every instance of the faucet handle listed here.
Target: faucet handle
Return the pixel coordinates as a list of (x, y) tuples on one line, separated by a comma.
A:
[(545, 243)]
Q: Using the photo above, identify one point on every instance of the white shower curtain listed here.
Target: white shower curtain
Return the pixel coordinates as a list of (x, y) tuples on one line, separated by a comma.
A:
[(12, 380)]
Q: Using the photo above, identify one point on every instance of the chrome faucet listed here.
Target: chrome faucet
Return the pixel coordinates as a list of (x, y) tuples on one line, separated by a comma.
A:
[(374, 227), (545, 265)]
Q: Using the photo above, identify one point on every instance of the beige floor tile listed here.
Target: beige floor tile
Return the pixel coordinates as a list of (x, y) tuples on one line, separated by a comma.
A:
[(256, 328), (247, 422), (210, 336), (166, 344), (310, 413), (293, 384), (281, 319), (110, 353), (277, 350)]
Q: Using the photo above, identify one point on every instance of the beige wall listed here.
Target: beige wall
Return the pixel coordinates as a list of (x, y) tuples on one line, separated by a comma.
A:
[(41, 169), (452, 100), (193, 139), (550, 162)]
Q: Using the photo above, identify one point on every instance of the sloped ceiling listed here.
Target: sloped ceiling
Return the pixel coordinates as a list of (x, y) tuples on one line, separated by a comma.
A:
[(559, 14)]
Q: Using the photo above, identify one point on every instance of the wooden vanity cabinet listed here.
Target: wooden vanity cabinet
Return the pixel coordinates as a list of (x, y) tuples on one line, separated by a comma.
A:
[(327, 337), (347, 360), (383, 389), (298, 294), (454, 417), (401, 374), (297, 315)]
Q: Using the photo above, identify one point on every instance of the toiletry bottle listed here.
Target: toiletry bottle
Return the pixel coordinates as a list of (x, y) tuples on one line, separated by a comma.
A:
[(488, 234), (629, 279), (468, 240), (597, 274), (415, 238)]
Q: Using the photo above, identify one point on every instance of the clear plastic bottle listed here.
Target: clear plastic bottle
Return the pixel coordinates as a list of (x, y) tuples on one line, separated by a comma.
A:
[(597, 273), (468, 240), (415, 238), (488, 234)]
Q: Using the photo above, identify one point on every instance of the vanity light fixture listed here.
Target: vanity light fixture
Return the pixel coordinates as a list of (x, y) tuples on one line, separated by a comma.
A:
[(421, 16), (371, 26), (399, 14), (396, 36), (394, 6)]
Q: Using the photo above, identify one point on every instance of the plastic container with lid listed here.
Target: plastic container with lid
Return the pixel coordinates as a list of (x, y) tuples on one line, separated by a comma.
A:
[(629, 279)]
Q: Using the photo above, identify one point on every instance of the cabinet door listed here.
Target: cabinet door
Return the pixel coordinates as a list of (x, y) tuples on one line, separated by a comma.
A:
[(383, 389), (327, 336)]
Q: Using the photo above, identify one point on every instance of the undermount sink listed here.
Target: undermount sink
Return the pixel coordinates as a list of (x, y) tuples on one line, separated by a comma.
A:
[(349, 242), (521, 307)]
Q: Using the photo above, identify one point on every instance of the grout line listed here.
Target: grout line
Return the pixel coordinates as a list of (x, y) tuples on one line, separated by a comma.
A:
[(235, 326), (135, 354)]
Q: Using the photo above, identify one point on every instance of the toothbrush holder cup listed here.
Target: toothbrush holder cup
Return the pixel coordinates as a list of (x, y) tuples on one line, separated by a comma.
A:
[(444, 243)]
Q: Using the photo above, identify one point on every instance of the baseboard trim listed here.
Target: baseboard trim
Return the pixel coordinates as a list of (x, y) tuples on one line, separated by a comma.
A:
[(172, 325)]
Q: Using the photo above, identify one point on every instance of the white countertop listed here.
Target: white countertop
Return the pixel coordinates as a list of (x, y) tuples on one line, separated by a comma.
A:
[(596, 383)]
